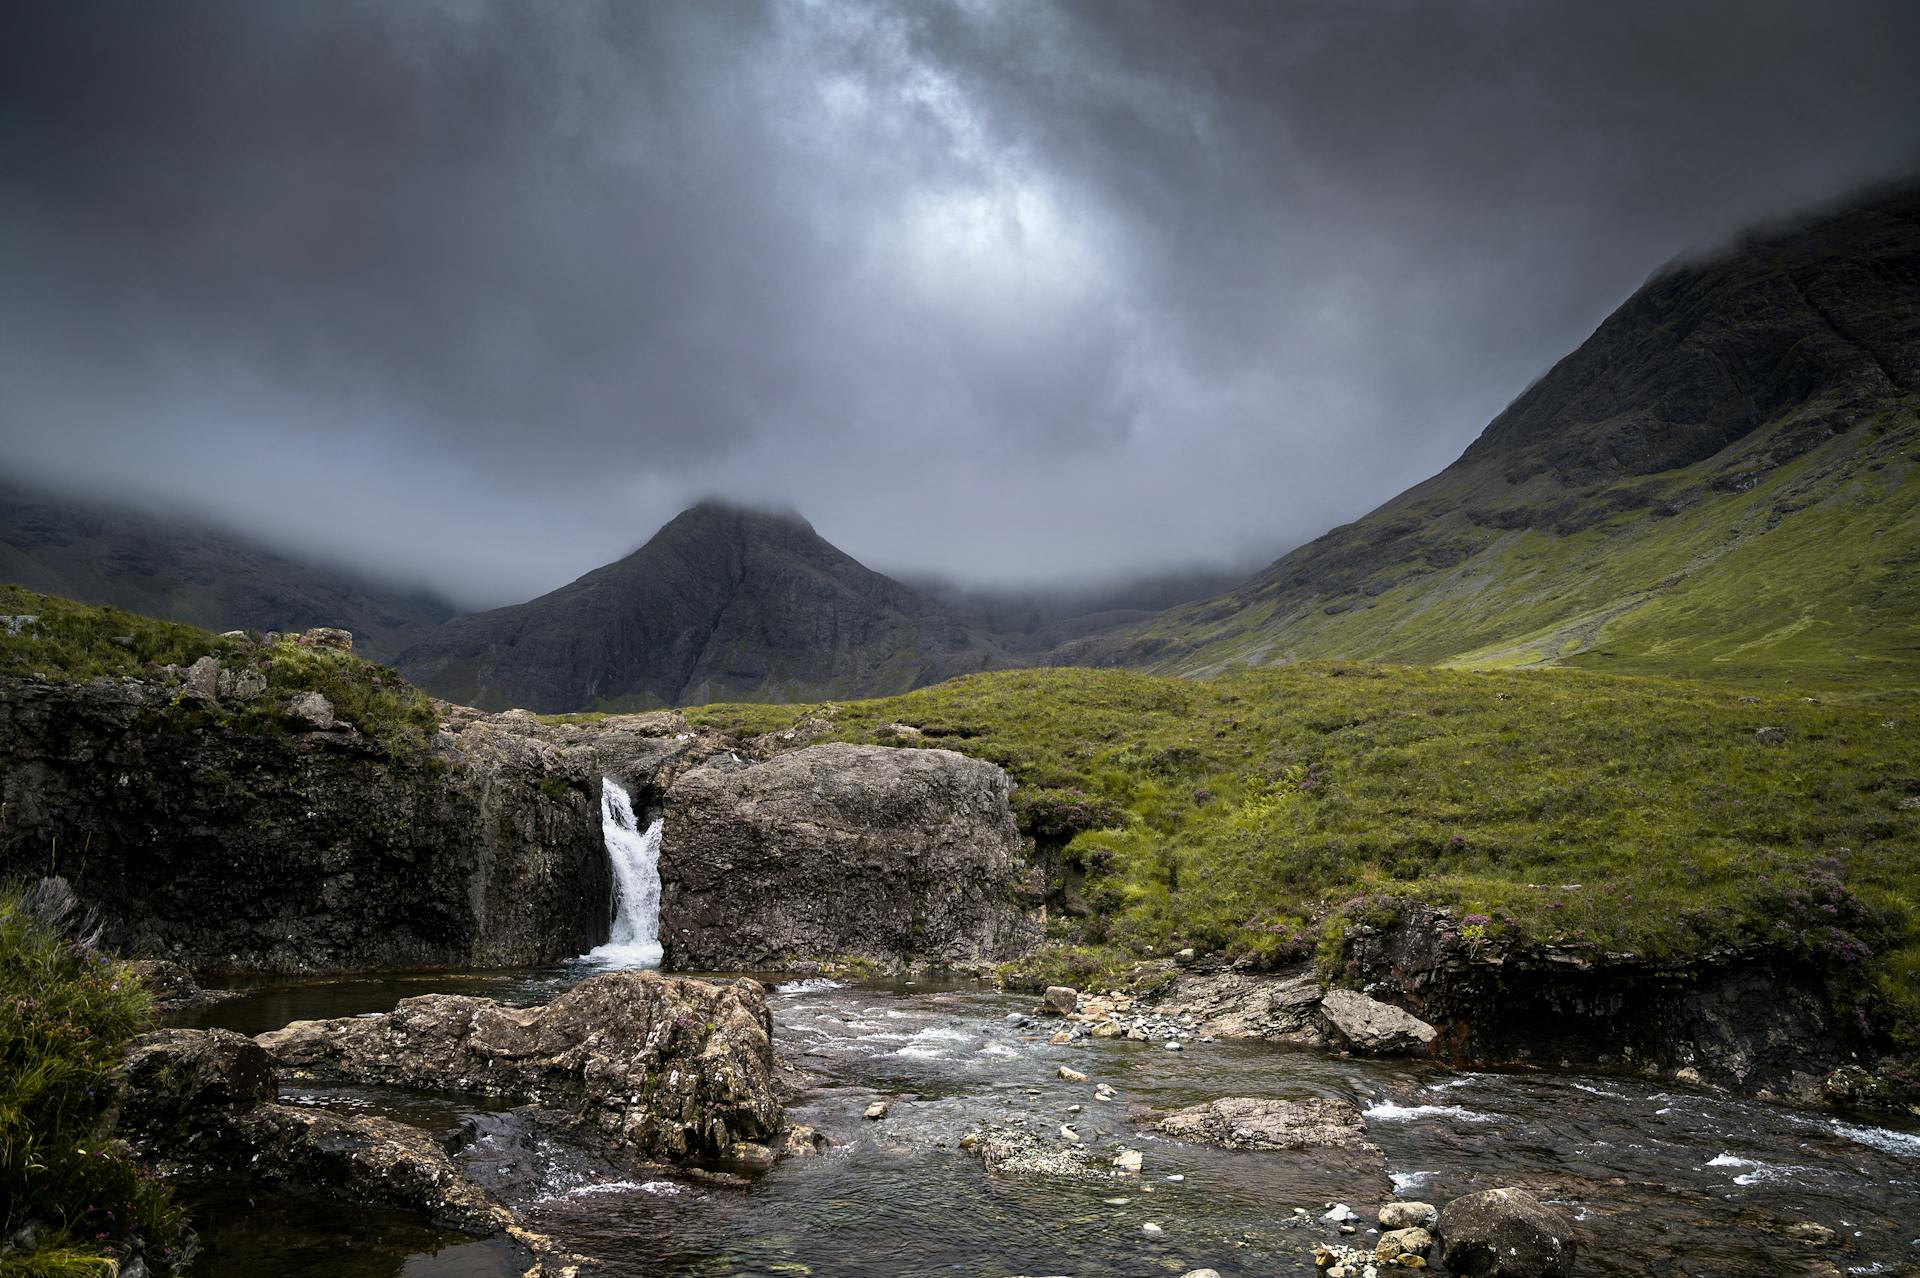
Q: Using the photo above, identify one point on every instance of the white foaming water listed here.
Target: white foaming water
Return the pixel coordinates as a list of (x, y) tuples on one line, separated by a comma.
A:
[(1389, 1110), (1758, 1172), (635, 854), (810, 985)]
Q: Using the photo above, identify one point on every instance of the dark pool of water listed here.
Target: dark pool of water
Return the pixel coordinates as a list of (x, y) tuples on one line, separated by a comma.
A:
[(1664, 1180)]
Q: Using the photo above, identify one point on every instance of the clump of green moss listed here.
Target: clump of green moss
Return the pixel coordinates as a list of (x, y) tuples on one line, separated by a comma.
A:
[(66, 1013)]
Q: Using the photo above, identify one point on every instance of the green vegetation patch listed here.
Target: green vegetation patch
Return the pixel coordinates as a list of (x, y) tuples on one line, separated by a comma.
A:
[(1258, 812), (46, 637), (66, 1013)]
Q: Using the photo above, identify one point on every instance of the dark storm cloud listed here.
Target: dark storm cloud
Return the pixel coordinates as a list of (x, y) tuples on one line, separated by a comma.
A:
[(483, 293)]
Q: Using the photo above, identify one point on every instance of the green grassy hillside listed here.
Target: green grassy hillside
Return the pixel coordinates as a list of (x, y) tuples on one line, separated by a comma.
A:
[(1723, 480), (1258, 812)]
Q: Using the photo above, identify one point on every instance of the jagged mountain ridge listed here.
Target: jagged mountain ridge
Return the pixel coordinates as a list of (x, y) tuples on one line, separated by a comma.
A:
[(103, 553), (723, 603), (1721, 479)]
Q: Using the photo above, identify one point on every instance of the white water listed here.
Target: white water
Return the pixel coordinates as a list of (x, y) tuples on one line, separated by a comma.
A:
[(635, 854)]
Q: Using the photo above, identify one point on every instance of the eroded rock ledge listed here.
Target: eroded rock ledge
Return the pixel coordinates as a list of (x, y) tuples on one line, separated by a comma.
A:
[(661, 1067)]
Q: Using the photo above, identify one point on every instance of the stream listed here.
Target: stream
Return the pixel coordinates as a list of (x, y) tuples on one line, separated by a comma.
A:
[(1664, 1180)]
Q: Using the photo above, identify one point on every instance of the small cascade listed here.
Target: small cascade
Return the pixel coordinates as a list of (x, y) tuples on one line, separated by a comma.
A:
[(635, 854)]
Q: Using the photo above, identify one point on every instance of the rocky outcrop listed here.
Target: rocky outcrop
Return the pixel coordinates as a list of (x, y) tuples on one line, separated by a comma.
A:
[(662, 1067), (1241, 1122), (1737, 1021), (1505, 1233), (222, 837), (894, 855), (183, 1083), (199, 1105)]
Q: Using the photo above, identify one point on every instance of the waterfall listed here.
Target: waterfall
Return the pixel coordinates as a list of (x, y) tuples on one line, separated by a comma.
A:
[(635, 854)]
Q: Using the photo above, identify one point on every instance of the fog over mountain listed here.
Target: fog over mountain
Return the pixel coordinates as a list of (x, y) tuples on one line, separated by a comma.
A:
[(483, 294)]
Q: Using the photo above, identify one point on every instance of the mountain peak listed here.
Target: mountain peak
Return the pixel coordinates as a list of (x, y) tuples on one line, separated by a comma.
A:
[(727, 601)]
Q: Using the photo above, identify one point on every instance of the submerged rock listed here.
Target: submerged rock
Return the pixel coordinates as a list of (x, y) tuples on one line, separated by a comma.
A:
[(665, 1067), (836, 851), (1505, 1233), (1240, 1122)]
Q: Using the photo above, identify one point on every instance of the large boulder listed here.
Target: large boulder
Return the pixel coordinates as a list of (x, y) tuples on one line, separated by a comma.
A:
[(183, 1084), (894, 855), (1244, 1122), (363, 1158), (665, 1067), (1505, 1233), (1371, 1027)]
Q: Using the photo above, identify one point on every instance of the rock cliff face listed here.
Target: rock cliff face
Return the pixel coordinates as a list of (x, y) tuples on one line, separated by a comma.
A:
[(840, 851), (237, 850), (1734, 1022), (236, 844)]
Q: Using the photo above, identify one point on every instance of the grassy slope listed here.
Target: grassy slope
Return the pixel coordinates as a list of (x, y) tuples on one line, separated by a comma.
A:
[(1815, 568), (46, 637), (1251, 812)]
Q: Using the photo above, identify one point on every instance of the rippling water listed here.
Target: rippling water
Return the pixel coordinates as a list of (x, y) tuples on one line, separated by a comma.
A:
[(1663, 1180)]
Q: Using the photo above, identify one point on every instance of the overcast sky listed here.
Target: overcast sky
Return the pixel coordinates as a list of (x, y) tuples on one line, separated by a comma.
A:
[(481, 294)]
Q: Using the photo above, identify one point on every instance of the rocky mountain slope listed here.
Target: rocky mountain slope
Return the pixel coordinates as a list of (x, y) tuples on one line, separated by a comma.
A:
[(1722, 479), (102, 553), (724, 603)]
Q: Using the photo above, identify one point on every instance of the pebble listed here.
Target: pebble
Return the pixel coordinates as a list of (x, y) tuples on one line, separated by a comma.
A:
[(1069, 1135), (1174, 1047), (1201, 1273), (1072, 1075), (1176, 1179), (1151, 1229), (877, 1110)]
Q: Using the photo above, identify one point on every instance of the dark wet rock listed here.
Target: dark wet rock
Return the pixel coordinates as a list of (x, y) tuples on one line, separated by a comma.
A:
[(661, 1066), (1366, 1025), (172, 986), (898, 856), (1731, 1019), (1242, 1005), (366, 1159), (1505, 1233), (183, 1083), (1241, 1122)]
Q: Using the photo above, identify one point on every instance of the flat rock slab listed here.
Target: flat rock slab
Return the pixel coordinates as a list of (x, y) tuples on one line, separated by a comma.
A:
[(1367, 1025), (667, 1067), (1243, 1122)]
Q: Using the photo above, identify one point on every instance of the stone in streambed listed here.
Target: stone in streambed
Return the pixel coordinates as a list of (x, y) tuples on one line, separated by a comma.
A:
[(1408, 1215), (1059, 1000), (1505, 1233), (1371, 1027)]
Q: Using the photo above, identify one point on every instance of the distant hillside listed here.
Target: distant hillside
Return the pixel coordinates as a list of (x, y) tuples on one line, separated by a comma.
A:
[(184, 571), (724, 603), (1724, 478), (1033, 621)]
